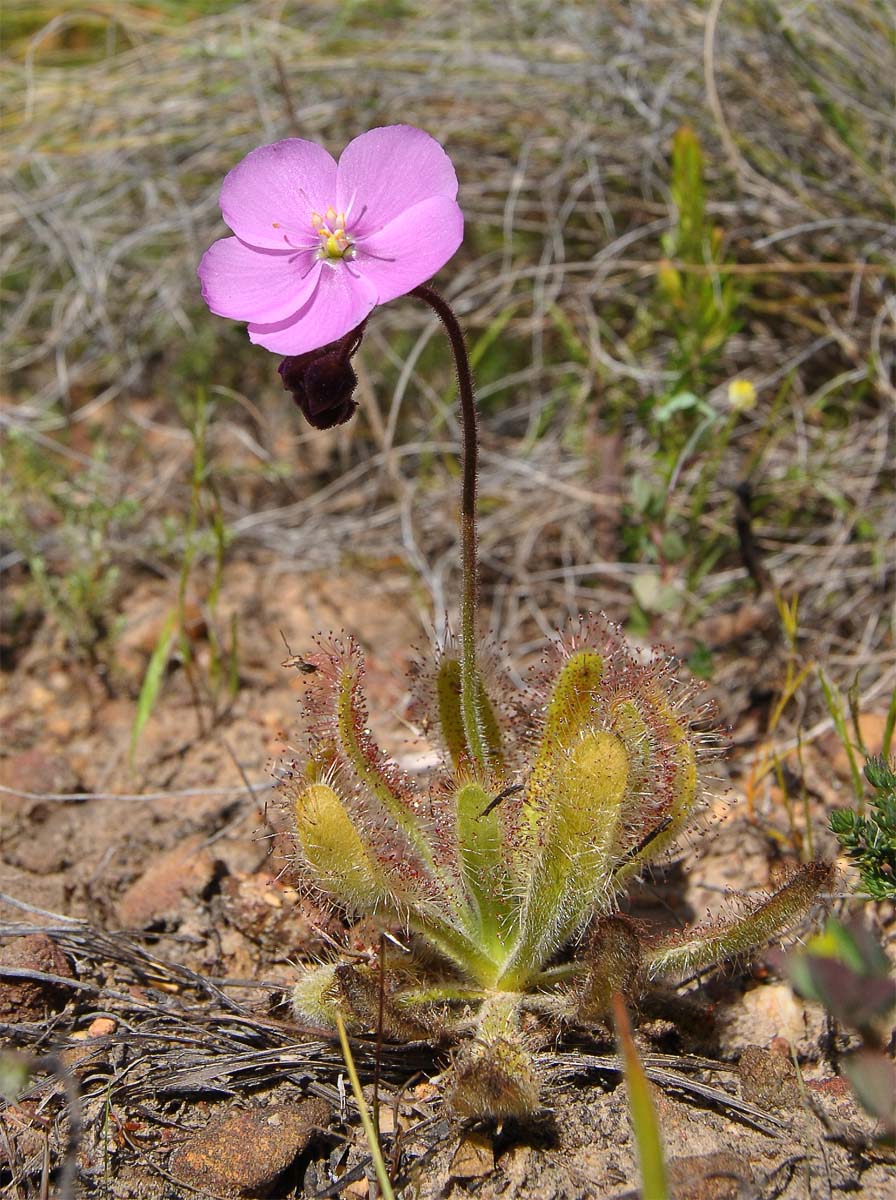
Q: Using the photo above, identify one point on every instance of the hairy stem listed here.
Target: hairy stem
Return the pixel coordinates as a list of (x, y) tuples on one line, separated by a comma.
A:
[(473, 718)]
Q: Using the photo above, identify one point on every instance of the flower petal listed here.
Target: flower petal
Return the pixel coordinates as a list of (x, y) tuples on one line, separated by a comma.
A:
[(249, 284), (387, 170), (272, 193), (341, 300), (410, 249)]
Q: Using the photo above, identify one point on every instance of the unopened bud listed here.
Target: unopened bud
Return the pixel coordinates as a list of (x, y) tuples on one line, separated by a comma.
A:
[(614, 957), (323, 381)]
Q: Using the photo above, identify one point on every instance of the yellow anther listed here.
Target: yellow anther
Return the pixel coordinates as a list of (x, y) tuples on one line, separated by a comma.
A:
[(330, 228)]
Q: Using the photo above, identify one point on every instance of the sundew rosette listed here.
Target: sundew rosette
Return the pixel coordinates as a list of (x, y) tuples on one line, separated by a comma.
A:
[(503, 880)]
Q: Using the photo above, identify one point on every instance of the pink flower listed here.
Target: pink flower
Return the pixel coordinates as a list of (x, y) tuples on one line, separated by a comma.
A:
[(319, 244)]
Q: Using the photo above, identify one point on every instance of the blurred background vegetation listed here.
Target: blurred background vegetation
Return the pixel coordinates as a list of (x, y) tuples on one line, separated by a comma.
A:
[(662, 200)]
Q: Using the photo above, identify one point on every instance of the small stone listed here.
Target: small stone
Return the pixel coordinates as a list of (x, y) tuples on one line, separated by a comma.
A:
[(719, 1176), (183, 872), (101, 1027), (766, 1012), (38, 698), (29, 999), (38, 772), (60, 728), (768, 1079), (242, 1154)]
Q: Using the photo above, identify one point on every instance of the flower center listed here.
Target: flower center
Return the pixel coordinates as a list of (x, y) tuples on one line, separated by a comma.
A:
[(334, 241)]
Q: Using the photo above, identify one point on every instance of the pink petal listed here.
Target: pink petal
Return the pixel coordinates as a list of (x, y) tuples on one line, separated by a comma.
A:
[(340, 302), (410, 249), (249, 284), (272, 193), (387, 170)]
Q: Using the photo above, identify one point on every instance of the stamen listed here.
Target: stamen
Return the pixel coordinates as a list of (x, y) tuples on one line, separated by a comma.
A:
[(298, 245)]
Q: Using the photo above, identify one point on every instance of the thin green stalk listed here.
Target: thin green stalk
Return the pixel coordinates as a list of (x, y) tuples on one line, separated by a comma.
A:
[(888, 728), (834, 701), (474, 725), (373, 1138), (649, 1142)]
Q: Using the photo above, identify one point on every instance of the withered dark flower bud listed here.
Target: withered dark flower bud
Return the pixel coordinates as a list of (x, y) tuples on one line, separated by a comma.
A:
[(323, 381)]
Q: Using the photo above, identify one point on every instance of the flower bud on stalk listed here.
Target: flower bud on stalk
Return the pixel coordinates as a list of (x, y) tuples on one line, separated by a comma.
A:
[(323, 381)]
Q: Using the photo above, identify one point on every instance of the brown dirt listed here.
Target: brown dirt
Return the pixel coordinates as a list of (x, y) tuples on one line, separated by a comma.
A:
[(182, 856)]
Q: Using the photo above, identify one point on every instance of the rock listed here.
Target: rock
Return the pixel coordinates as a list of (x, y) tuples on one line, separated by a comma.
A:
[(29, 774), (719, 1176), (29, 999), (38, 773), (767, 1012), (101, 1027), (242, 1154), (186, 871), (768, 1079)]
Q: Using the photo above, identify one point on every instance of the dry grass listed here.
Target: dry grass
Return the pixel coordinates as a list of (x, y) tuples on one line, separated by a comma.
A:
[(560, 120)]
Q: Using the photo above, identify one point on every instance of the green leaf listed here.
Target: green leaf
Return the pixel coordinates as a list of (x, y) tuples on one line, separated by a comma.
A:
[(649, 1142), (680, 402), (152, 680), (700, 662), (14, 1076), (653, 595), (643, 493)]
